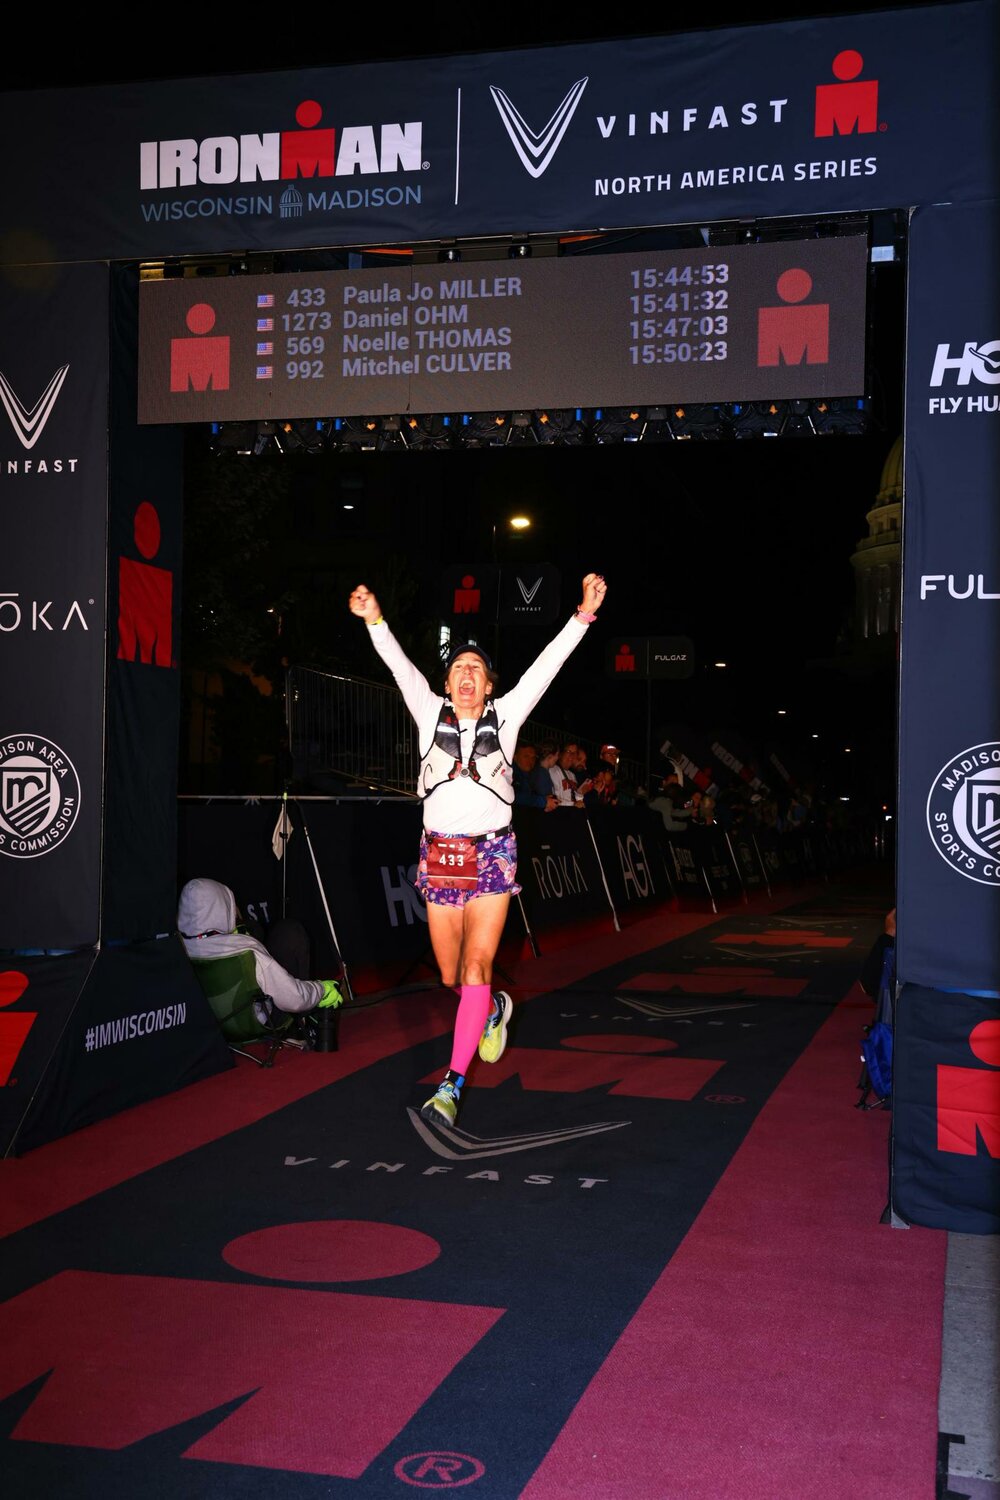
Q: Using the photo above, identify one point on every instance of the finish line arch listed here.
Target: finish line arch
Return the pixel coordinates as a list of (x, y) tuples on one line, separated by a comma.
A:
[(853, 114)]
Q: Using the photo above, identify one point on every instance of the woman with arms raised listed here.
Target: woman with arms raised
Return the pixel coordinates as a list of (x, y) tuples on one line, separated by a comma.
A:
[(468, 851)]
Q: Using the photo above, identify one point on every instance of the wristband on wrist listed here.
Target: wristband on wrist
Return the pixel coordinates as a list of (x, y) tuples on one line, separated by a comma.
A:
[(588, 619), (372, 623)]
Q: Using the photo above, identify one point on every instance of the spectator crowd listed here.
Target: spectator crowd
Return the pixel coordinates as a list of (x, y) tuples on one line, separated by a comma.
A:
[(551, 776)]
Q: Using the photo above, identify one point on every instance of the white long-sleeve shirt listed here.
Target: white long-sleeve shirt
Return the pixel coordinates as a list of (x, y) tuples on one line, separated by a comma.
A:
[(463, 806)]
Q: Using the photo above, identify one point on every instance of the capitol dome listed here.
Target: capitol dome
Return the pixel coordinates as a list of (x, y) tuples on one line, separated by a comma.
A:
[(876, 560)]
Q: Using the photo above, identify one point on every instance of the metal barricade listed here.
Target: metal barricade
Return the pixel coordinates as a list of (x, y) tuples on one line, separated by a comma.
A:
[(348, 730)]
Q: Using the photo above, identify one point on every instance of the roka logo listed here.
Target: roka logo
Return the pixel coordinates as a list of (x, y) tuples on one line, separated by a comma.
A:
[(537, 148), (963, 813), (29, 422)]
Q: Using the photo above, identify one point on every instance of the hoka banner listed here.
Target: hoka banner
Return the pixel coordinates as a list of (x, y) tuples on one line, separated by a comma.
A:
[(949, 814), (807, 117), (53, 456)]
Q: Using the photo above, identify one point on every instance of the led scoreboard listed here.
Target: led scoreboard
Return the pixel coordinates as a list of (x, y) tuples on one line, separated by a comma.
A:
[(774, 321)]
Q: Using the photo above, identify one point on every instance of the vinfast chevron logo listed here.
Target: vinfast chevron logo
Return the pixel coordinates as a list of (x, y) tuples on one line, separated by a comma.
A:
[(528, 593), (537, 148), (963, 813), (680, 1012), (459, 1145), (29, 422)]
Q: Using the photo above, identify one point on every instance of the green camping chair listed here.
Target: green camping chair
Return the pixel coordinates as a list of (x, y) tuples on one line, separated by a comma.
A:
[(231, 988)]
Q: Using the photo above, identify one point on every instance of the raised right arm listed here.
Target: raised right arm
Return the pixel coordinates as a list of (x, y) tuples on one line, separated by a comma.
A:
[(412, 683)]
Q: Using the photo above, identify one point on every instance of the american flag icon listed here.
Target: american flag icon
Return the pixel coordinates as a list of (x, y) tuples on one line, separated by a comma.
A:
[(265, 325), (267, 348), (265, 299), (264, 372)]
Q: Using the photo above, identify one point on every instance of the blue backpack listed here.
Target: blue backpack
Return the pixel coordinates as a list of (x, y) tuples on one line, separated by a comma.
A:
[(876, 1047)]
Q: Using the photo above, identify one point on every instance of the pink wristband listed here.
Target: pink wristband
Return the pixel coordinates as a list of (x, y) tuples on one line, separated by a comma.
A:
[(582, 614)]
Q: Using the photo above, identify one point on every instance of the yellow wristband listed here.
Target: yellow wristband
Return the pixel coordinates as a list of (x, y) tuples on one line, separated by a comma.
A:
[(372, 623)]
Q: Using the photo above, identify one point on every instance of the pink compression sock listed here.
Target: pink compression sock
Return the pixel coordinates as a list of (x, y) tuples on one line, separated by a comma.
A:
[(473, 1008)]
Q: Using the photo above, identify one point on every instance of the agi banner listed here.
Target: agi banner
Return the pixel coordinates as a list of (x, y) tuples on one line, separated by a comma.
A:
[(53, 455)]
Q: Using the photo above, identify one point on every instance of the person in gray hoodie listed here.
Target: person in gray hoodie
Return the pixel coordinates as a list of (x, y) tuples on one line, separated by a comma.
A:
[(206, 921)]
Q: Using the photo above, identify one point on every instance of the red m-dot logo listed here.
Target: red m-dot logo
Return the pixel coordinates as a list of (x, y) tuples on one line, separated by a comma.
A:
[(15, 1025), (849, 106)]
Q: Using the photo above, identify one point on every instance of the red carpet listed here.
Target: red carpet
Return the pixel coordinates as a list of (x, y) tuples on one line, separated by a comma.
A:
[(728, 1320), (791, 1348)]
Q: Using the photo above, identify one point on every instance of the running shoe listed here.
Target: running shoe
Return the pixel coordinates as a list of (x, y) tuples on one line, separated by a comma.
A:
[(494, 1037), (442, 1106)]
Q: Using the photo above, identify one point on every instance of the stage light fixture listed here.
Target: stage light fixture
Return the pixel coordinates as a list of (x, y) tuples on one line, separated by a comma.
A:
[(797, 420), (845, 416), (233, 437), (521, 432), (392, 433), (773, 418), (266, 435)]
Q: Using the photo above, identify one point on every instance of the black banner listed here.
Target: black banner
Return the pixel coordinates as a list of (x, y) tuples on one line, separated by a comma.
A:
[(774, 857), (802, 117), (470, 600), (37, 996), (747, 859), (366, 853), (53, 454), (650, 656), (140, 1027), (946, 1110), (230, 841), (531, 595), (140, 838), (366, 857), (559, 868), (630, 844), (686, 870), (713, 854), (948, 899)]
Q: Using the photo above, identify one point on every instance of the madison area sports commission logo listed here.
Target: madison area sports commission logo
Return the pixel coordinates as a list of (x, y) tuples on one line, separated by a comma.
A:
[(963, 812), (39, 795)]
